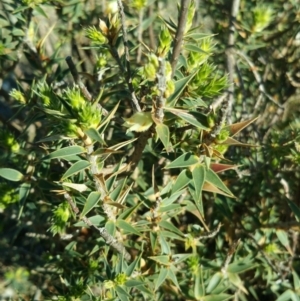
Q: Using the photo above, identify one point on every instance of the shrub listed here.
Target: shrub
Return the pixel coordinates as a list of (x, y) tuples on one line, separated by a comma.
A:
[(124, 180)]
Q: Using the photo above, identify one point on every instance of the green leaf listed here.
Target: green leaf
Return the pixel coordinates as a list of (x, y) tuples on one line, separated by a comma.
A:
[(213, 178), (185, 160), (131, 268), (194, 118), (11, 174), (171, 227), (23, 194), (128, 212), (108, 118), (199, 178), (214, 282), (236, 280), (296, 281), (78, 187), (127, 227), (96, 220), (172, 276), (122, 294), (295, 209), (241, 266), (165, 246), (91, 202), (283, 238), (194, 48), (219, 297), (287, 296), (180, 85), (133, 282), (161, 277), (163, 134), (182, 181), (41, 11), (65, 152), (198, 290), (110, 227), (17, 32), (173, 197), (94, 135), (75, 168), (162, 259)]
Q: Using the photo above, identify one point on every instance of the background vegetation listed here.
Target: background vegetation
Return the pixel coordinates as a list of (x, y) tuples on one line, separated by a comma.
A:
[(112, 151)]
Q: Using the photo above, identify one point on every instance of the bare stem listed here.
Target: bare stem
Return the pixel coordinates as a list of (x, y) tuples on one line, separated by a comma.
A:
[(134, 101), (230, 56), (182, 18), (140, 35), (161, 85)]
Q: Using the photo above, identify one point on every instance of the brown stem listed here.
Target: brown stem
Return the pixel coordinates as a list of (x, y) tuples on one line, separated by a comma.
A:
[(182, 18), (134, 101)]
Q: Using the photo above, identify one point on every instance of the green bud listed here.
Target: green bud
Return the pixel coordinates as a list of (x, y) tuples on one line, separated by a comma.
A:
[(95, 35), (8, 195), (169, 89), (222, 136), (74, 98), (153, 59), (168, 70), (196, 59), (101, 61), (18, 96), (138, 4), (120, 279), (221, 148), (165, 40), (89, 116), (7, 140), (262, 17), (150, 72)]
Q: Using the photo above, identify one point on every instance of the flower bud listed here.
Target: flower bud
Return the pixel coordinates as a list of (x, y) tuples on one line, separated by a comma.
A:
[(262, 17), (165, 40)]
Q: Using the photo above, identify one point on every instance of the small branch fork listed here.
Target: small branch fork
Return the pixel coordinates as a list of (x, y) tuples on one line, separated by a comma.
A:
[(109, 240)]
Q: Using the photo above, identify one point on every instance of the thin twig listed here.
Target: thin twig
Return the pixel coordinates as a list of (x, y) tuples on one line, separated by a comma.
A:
[(258, 78), (219, 123), (139, 147), (134, 101), (232, 250), (161, 85), (77, 79), (152, 41), (140, 35), (182, 18), (109, 239)]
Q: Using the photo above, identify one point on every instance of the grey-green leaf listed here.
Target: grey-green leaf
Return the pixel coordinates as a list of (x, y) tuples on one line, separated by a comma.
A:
[(65, 152), (161, 277), (11, 174), (75, 168), (163, 134), (185, 160), (214, 179), (127, 227), (91, 202), (199, 178)]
